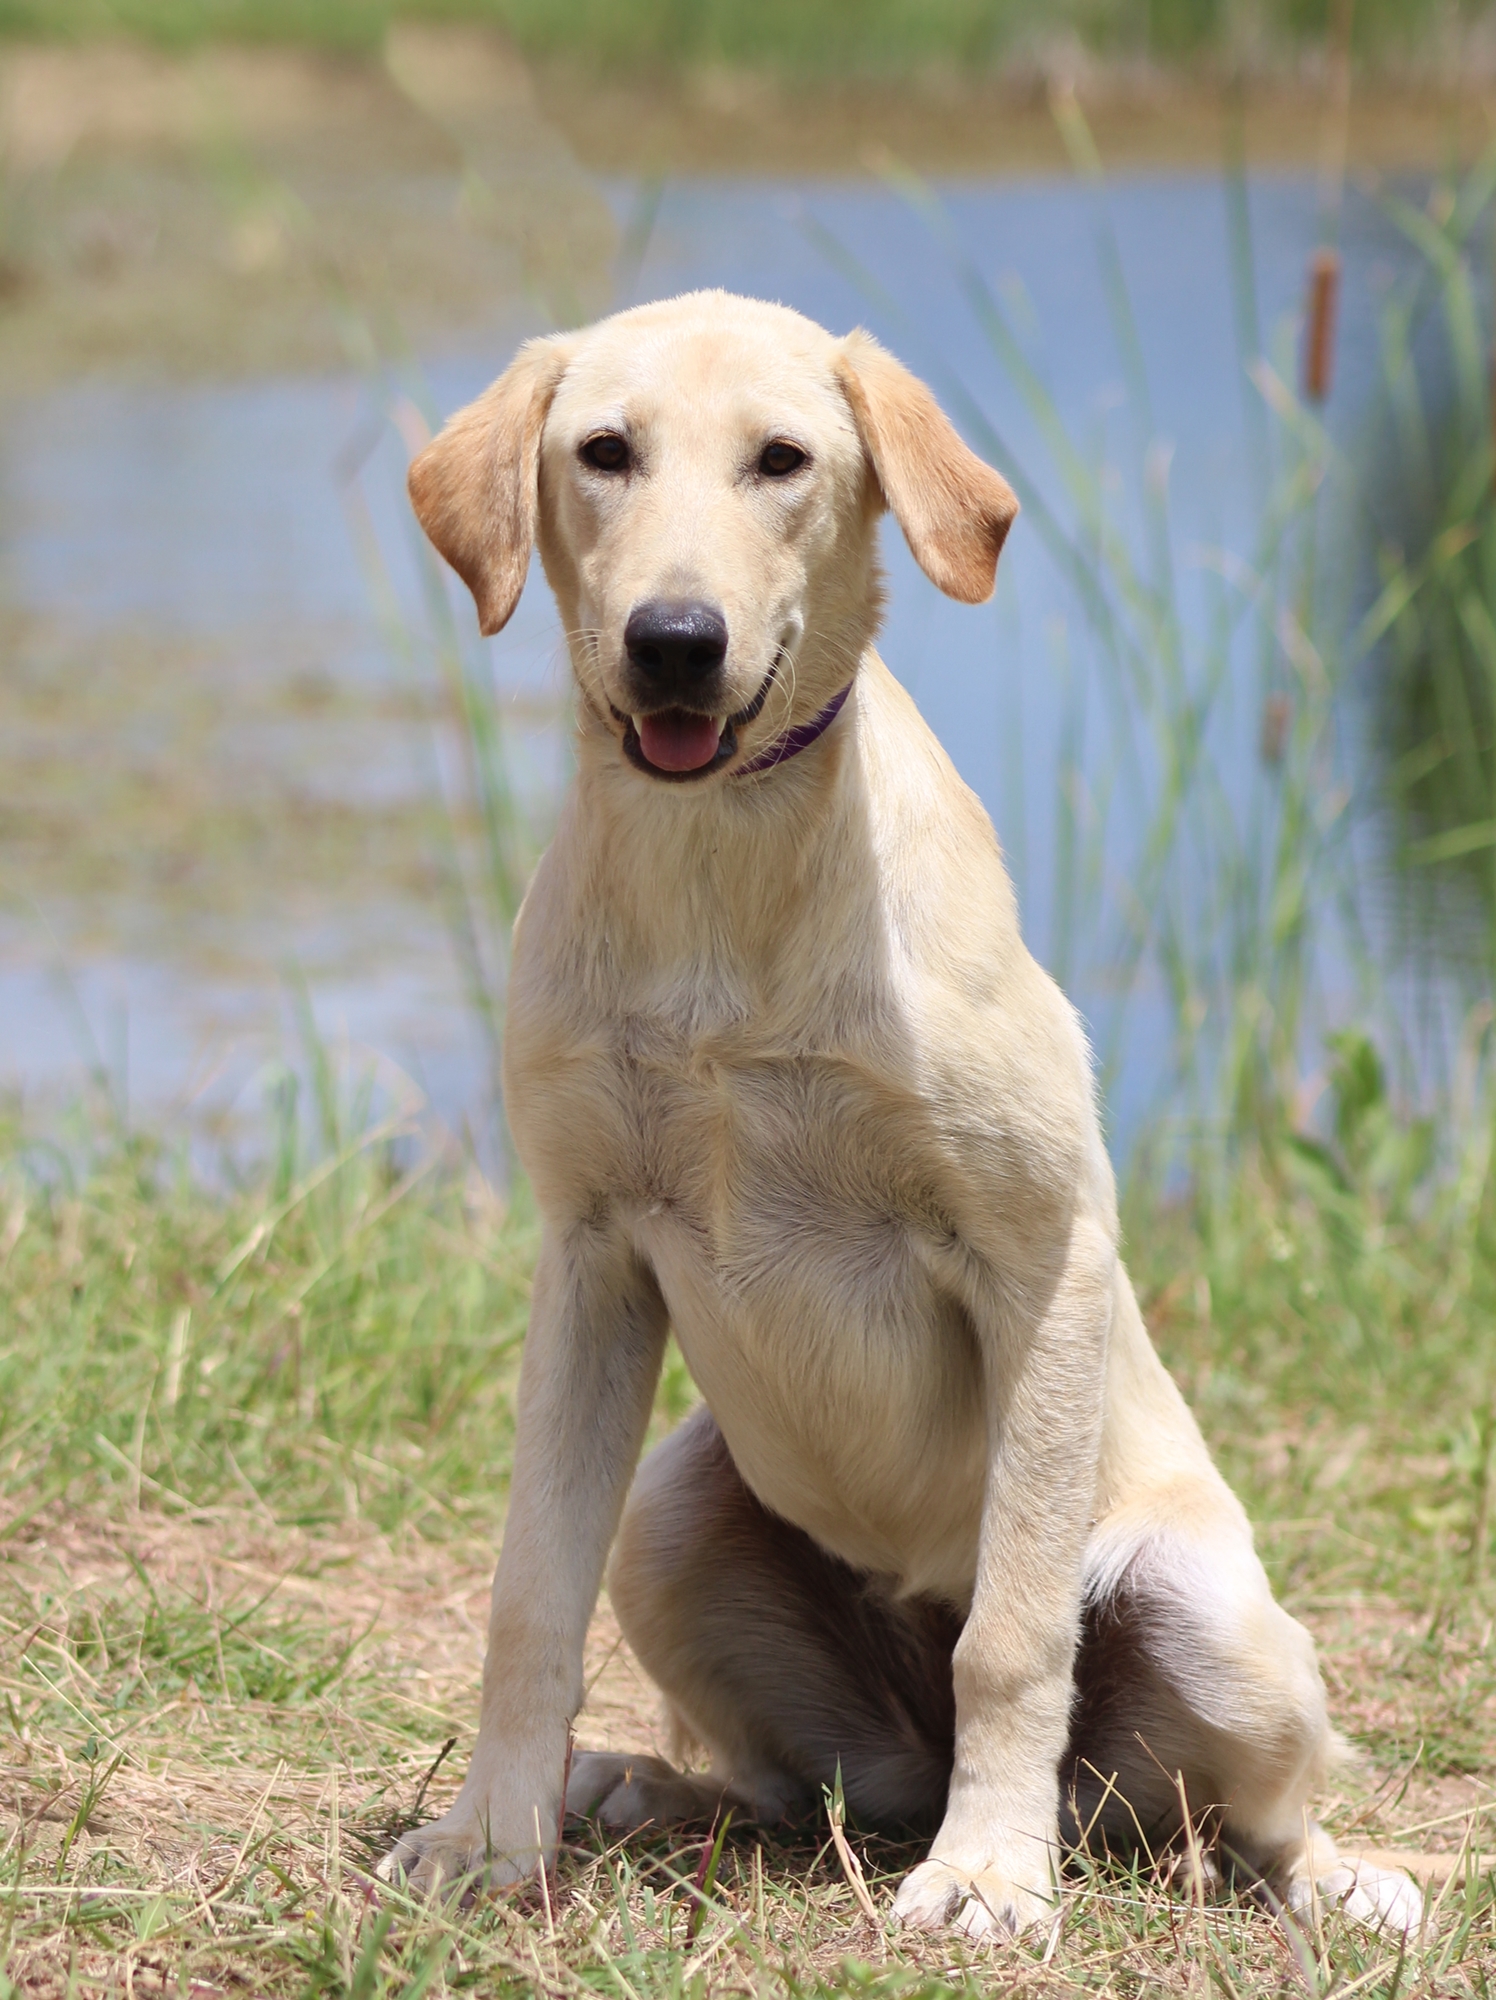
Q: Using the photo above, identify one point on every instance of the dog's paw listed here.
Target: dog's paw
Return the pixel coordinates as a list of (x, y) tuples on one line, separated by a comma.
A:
[(980, 1903), (1384, 1899), (457, 1854), (627, 1793)]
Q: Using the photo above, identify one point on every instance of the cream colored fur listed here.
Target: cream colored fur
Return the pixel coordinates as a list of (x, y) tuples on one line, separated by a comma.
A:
[(785, 1080)]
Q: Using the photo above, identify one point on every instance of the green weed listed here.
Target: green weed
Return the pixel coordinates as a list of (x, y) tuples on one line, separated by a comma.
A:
[(254, 1443), (246, 1551), (1247, 881), (1427, 478)]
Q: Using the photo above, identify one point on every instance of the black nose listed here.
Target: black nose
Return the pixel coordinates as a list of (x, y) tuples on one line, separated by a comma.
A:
[(675, 646)]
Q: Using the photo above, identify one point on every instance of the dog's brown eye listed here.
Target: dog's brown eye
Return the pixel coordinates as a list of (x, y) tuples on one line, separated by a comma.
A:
[(780, 458), (607, 452)]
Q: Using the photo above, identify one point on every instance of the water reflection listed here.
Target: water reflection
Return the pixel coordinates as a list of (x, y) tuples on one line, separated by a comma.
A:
[(214, 768)]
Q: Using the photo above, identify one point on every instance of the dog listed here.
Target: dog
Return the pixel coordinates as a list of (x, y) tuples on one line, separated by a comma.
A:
[(786, 1081)]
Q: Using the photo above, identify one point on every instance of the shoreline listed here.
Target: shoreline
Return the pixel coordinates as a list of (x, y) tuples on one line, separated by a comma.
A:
[(117, 95), (726, 123), (238, 211)]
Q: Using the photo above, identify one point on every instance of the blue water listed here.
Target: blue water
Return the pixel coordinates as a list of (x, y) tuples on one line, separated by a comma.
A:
[(218, 513)]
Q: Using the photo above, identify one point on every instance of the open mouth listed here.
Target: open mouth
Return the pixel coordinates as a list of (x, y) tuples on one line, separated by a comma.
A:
[(680, 743)]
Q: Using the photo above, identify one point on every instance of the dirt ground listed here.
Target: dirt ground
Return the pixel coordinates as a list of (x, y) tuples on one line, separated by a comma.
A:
[(405, 1624), (248, 209)]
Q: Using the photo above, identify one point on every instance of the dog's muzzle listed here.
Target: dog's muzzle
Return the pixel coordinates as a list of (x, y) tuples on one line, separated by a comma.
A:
[(680, 743)]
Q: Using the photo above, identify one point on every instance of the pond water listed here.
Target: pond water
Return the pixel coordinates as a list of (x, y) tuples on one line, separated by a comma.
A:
[(222, 773)]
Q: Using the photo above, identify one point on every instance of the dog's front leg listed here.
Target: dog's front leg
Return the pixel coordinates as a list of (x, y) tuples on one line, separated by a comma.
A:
[(591, 1362), (992, 1866)]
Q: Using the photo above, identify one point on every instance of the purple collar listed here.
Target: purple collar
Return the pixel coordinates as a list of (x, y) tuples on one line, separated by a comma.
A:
[(795, 740)]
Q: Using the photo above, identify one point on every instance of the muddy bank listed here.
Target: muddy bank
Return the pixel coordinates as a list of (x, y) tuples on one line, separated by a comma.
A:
[(238, 211), (727, 123), (227, 280)]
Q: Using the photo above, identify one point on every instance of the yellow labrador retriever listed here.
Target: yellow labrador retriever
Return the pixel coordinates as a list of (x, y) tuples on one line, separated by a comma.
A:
[(786, 1080)]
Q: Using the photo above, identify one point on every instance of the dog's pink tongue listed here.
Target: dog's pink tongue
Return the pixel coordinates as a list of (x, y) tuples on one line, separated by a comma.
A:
[(678, 741)]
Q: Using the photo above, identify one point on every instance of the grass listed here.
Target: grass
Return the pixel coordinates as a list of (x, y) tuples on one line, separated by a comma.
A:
[(1435, 550), (253, 1450), (799, 36), (1247, 890), (253, 1444)]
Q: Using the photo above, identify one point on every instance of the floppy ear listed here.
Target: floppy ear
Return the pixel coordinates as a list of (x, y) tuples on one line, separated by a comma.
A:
[(476, 487), (954, 509)]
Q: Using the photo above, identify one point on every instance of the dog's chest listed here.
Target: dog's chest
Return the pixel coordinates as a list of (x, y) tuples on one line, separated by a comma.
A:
[(796, 1208), (757, 1151)]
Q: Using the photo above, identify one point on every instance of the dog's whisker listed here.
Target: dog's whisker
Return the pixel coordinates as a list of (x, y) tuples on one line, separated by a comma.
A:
[(785, 687), (585, 659)]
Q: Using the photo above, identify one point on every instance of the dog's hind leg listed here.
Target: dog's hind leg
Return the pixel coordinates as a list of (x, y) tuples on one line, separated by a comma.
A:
[(1191, 1677), (1190, 1673), (782, 1661)]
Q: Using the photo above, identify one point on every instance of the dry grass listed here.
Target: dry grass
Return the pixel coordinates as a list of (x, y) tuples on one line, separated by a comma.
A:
[(252, 1452), (252, 1460), (210, 1713), (216, 1722)]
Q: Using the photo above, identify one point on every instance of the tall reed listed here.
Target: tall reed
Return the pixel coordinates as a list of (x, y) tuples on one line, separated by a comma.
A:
[(1428, 493), (489, 843), (1248, 888)]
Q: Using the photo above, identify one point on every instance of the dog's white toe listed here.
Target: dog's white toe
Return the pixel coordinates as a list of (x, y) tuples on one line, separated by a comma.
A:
[(453, 1856), (980, 1903), (1384, 1899)]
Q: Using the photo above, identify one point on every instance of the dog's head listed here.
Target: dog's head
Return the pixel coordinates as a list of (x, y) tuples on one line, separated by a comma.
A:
[(704, 479)]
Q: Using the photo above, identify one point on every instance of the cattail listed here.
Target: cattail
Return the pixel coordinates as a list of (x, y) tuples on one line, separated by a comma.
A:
[(1277, 719), (1319, 341)]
